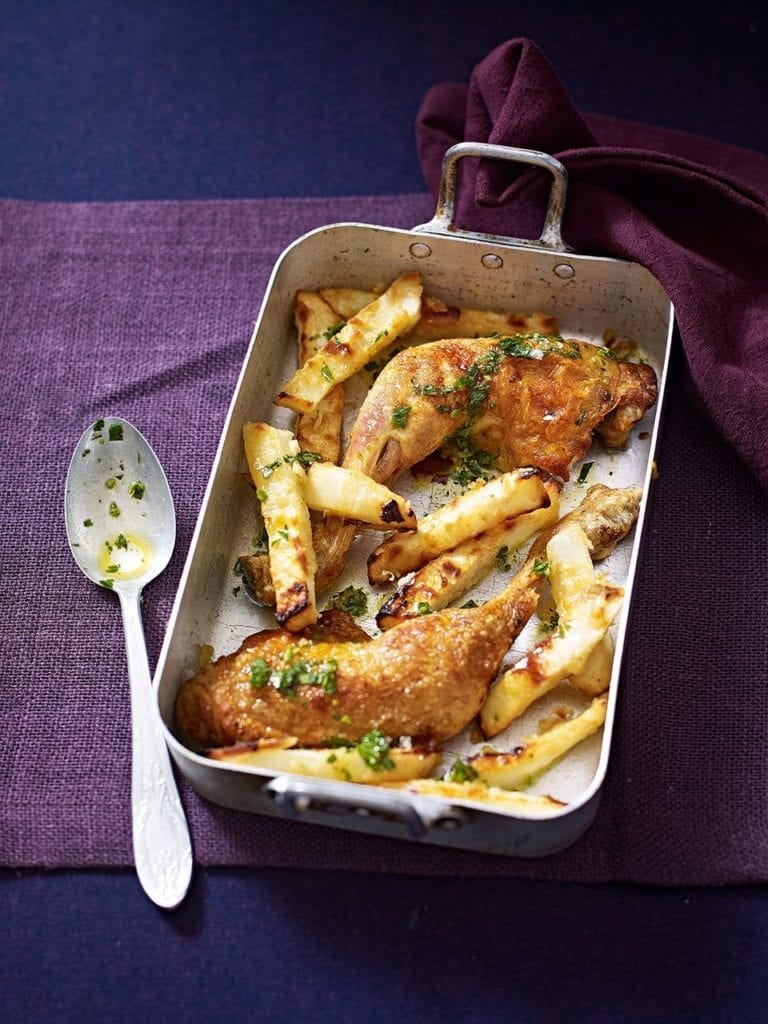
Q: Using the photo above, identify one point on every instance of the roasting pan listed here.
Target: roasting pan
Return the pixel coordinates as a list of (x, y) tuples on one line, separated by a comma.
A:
[(590, 296)]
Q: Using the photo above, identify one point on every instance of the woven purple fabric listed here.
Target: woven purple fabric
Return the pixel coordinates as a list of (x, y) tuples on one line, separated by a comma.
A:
[(145, 310), (693, 213)]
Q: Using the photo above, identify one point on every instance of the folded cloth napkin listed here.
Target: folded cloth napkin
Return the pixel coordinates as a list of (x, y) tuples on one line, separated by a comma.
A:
[(695, 214), (145, 310)]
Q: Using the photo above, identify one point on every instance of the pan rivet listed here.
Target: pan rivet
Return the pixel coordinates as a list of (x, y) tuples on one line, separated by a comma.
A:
[(492, 261), (420, 250), (564, 270)]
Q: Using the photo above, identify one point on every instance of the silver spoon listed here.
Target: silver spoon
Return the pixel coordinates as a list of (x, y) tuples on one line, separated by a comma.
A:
[(121, 527)]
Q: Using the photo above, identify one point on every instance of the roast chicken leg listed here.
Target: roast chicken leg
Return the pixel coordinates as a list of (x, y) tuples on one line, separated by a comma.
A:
[(529, 400), (426, 678)]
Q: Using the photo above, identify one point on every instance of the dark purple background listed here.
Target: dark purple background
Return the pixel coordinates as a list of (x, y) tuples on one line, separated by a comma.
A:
[(204, 100)]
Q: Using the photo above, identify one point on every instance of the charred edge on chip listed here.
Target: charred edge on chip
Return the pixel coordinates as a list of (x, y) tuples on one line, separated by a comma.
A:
[(390, 513)]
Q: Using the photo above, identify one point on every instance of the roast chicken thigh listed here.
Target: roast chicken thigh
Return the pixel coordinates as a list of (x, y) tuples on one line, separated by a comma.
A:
[(526, 400)]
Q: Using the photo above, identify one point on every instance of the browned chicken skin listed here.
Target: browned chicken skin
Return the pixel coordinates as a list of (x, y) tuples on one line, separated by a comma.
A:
[(527, 411), (538, 409), (426, 678)]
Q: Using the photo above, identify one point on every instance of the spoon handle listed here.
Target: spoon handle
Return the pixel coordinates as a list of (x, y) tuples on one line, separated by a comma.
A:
[(161, 844)]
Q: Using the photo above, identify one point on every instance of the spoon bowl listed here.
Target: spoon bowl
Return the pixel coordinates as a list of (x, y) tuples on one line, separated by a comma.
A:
[(119, 512), (121, 528)]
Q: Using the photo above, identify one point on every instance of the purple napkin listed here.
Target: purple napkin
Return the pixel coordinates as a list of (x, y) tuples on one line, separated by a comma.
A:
[(145, 310), (693, 212)]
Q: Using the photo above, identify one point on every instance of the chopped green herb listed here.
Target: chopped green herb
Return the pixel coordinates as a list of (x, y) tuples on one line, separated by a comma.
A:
[(332, 759), (109, 484), (327, 373), (373, 748), (461, 771), (607, 354), (329, 332), (581, 417), (502, 559), (516, 346), (337, 741), (259, 673), (113, 568), (541, 567), (584, 472), (114, 511), (470, 604), (284, 534), (115, 432), (292, 673), (136, 490), (267, 471), (470, 462), (351, 599), (107, 584), (550, 623), (400, 416), (423, 607), (98, 426), (303, 458), (261, 495), (87, 522), (380, 335), (433, 389)]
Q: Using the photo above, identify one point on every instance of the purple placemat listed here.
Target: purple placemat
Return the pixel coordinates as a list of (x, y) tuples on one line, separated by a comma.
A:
[(144, 310)]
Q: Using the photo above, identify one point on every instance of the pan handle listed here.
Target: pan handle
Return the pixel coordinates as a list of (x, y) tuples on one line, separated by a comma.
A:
[(551, 234), (298, 797)]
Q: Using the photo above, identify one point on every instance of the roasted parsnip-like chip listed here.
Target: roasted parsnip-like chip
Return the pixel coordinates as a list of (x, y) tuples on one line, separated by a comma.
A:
[(253, 570), (354, 496), (595, 677), (438, 321), (364, 336), (347, 302), (481, 508), (280, 480), (344, 764), (320, 429), (450, 575), (586, 608), (519, 768), (477, 791), (606, 514), (344, 493)]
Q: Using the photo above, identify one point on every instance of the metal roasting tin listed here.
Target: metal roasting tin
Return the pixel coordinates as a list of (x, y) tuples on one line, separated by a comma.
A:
[(589, 296)]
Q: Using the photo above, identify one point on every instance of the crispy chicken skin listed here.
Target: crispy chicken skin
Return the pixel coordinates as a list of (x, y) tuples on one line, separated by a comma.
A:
[(425, 678), (540, 409), (531, 411)]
